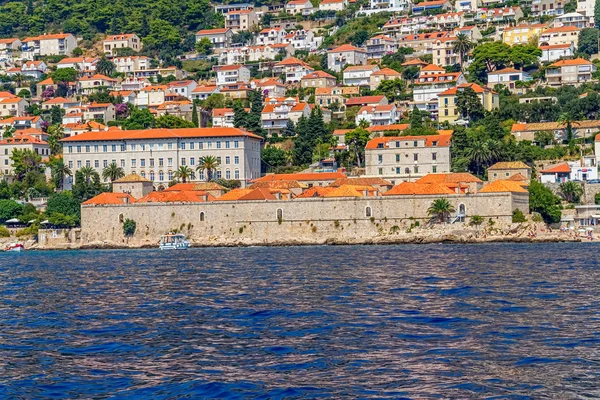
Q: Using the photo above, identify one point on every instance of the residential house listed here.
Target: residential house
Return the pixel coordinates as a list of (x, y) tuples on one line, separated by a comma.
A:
[(230, 74), (183, 88), (506, 169), (131, 64), (336, 97), (270, 36), (8, 47), (156, 154), (318, 79), (121, 41), (443, 52), (509, 78), (447, 21), (269, 87), (569, 72), (246, 54), (302, 7), (134, 83), (225, 8), (472, 32), (152, 96), (431, 6), (499, 15), (20, 142), (102, 112), (550, 8), (181, 109), (380, 45), (522, 34), (88, 85), (558, 173), (467, 6), (580, 129), (587, 8), (219, 37), (447, 109), (367, 101), (302, 39), (398, 27), (222, 117), (377, 115), (556, 52), (278, 111), (127, 96), (359, 75), (48, 45), (204, 91), (60, 102), (392, 6), (432, 81), (572, 19), (293, 69), (80, 64), (385, 74), (33, 69), (333, 5), (407, 158), (11, 105), (23, 124), (421, 43), (345, 55), (241, 20), (237, 90), (562, 35)]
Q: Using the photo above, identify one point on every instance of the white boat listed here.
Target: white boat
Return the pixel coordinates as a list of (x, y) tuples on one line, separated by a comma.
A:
[(18, 247), (174, 242)]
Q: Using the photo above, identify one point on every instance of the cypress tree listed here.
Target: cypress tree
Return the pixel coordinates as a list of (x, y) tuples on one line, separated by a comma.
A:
[(195, 116)]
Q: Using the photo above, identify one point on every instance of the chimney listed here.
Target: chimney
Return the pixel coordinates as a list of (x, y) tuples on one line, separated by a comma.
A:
[(458, 189), (277, 195)]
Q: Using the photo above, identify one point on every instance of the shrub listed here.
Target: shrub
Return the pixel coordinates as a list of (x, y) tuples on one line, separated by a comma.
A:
[(4, 232), (597, 198), (537, 217), (129, 227), (518, 216)]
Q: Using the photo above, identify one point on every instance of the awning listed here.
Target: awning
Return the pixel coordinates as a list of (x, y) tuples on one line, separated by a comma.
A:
[(12, 221), (31, 222), (595, 215), (45, 222)]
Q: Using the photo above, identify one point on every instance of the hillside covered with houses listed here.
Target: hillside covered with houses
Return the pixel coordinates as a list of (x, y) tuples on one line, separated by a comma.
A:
[(390, 90)]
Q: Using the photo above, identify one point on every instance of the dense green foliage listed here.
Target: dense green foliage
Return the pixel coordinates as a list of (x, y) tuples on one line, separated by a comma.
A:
[(129, 227), (9, 209), (544, 202), (518, 216)]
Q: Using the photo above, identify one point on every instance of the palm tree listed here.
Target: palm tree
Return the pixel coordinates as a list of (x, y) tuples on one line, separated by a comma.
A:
[(476, 220), (208, 163), (112, 172), (184, 173), (462, 46), (568, 121), (88, 173), (571, 191), (479, 154), (105, 67), (441, 209), (59, 170)]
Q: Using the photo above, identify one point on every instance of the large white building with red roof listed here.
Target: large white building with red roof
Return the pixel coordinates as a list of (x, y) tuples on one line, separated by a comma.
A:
[(359, 75), (156, 154), (278, 111), (333, 5), (302, 7), (379, 115)]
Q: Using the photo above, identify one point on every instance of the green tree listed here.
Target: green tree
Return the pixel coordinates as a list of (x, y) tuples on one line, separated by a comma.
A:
[(356, 140), (65, 75), (63, 203), (441, 209), (518, 216), (140, 118), (204, 46), (242, 37), (215, 100), (77, 52), (272, 157), (416, 119), (544, 202), (290, 129), (208, 164), (25, 161), (112, 172), (129, 227), (522, 55), (10, 209), (597, 14), (588, 41), (462, 45), (105, 67), (240, 116), (59, 171), (184, 173), (476, 220), (571, 191), (87, 184), (360, 37), (488, 57), (469, 105), (567, 120), (56, 115), (195, 116), (482, 153), (410, 73), (172, 122), (55, 134)]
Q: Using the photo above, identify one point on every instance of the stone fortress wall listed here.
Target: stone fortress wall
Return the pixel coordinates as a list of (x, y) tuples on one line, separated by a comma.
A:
[(298, 221)]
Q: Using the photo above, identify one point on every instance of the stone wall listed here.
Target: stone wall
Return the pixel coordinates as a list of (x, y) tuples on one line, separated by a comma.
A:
[(589, 191), (314, 220)]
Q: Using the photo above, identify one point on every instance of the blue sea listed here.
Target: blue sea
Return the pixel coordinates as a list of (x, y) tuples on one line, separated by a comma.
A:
[(486, 321)]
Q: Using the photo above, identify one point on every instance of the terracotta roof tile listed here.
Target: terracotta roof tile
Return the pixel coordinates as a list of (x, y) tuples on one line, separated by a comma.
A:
[(110, 198), (562, 168), (451, 177), (501, 186), (509, 165), (412, 188), (160, 134)]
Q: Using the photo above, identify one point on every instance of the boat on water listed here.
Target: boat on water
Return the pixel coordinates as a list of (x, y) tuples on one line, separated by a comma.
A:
[(174, 241), (18, 247)]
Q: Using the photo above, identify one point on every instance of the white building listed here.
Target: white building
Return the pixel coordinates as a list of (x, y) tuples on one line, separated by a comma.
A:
[(278, 111), (345, 55), (333, 5), (183, 88), (122, 41), (293, 68), (302, 39), (407, 157), (156, 154), (359, 75), (20, 142), (11, 105), (302, 7), (220, 38), (377, 115), (132, 64), (80, 64), (508, 77), (270, 36), (49, 45), (222, 117), (556, 52), (572, 19), (204, 91), (586, 8), (228, 74)]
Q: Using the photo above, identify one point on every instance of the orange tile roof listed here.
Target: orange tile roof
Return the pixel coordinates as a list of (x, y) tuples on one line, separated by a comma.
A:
[(346, 47), (387, 71), (357, 101), (385, 128), (97, 77), (315, 191), (202, 89), (518, 177), (561, 29), (8, 41), (576, 61), (132, 178), (160, 133), (556, 46), (505, 71), (277, 185), (22, 139), (110, 198), (212, 31), (414, 61), (440, 140), (361, 68), (258, 194), (360, 182), (346, 191), (412, 188), (562, 168), (47, 37), (509, 165), (173, 197), (293, 61), (122, 36), (234, 195), (476, 88), (301, 177), (501, 186), (451, 177), (318, 74)]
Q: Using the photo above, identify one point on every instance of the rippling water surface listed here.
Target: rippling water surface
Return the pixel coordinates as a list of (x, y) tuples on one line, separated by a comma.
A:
[(440, 321)]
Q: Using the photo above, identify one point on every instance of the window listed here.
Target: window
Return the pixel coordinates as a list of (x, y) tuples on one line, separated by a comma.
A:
[(105, 148), (152, 176), (182, 146), (79, 149), (143, 146), (227, 144), (70, 149), (143, 163), (380, 171), (169, 162), (133, 163), (114, 148), (88, 163), (219, 160), (192, 161), (416, 169), (236, 160), (161, 162), (191, 145), (87, 148), (105, 163), (434, 156), (368, 212), (183, 161), (70, 164), (122, 163), (397, 170), (407, 170), (161, 176), (434, 169), (219, 175), (170, 146), (416, 157), (200, 145), (380, 158), (202, 216), (415, 143), (143, 174), (151, 162), (397, 157), (132, 147), (122, 147), (236, 144), (227, 160), (78, 164), (96, 163), (95, 148), (236, 174), (170, 175), (161, 146)]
